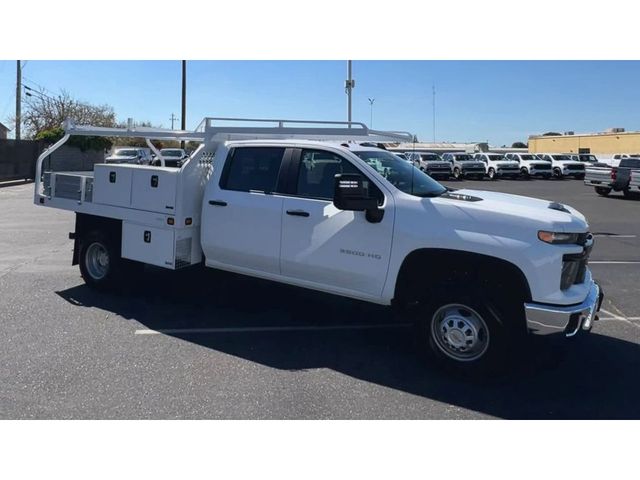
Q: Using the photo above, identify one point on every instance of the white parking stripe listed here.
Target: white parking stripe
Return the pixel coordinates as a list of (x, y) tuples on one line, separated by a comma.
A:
[(613, 235), (292, 328), (614, 262)]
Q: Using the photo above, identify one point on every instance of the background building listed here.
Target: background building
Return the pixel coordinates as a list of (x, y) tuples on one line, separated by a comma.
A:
[(3, 132), (614, 140)]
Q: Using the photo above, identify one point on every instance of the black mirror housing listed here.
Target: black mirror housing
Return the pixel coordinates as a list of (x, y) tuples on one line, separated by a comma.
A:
[(351, 192)]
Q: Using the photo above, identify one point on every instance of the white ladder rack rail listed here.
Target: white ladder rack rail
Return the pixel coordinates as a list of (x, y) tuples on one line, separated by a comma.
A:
[(210, 132)]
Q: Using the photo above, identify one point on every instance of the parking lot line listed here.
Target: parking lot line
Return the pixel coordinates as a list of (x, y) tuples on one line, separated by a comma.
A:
[(613, 235), (292, 328), (614, 262)]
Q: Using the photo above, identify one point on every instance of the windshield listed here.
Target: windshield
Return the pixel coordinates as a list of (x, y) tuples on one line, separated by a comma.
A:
[(588, 158), (430, 157), (496, 157), (561, 157), (126, 153), (528, 157), (463, 158), (171, 153), (402, 175)]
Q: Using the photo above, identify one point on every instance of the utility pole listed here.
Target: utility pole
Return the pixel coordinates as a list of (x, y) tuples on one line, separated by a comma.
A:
[(433, 86), (184, 98), (18, 99), (173, 119), (371, 100), (349, 85)]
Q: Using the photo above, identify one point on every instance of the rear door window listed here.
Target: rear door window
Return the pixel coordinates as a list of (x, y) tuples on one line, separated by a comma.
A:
[(253, 169)]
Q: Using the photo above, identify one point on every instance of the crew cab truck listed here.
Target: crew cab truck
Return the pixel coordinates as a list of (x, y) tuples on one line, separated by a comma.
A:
[(530, 165), (464, 166), (562, 165), (431, 163), (475, 271), (605, 179), (497, 165)]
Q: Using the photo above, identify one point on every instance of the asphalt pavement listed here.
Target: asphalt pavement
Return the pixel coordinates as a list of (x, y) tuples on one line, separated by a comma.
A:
[(209, 344)]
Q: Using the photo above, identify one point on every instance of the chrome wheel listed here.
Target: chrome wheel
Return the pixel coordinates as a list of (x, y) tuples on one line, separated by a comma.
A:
[(492, 173), (97, 261), (456, 173), (460, 332)]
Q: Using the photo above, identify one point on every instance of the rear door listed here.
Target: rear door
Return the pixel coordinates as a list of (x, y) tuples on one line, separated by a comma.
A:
[(339, 250), (242, 215)]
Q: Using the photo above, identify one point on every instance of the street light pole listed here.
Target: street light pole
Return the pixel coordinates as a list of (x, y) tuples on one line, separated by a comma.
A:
[(183, 120), (18, 98), (371, 100), (349, 86)]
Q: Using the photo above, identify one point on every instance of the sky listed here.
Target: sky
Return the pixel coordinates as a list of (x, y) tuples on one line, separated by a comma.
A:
[(476, 101)]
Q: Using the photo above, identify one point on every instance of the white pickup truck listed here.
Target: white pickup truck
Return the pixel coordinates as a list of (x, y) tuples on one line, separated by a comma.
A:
[(562, 165), (477, 271)]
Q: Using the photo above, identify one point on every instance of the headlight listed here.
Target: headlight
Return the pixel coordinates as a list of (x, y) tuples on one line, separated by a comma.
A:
[(556, 238)]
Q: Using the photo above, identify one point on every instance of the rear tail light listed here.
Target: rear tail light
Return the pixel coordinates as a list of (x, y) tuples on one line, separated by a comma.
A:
[(614, 173)]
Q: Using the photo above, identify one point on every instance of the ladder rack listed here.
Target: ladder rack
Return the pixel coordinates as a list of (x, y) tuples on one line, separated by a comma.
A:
[(212, 130)]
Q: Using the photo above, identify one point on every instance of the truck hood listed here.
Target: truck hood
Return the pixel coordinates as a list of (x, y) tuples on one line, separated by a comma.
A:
[(560, 217), (564, 163)]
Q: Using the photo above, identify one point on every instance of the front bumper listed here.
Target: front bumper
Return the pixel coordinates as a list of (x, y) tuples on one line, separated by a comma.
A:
[(568, 320)]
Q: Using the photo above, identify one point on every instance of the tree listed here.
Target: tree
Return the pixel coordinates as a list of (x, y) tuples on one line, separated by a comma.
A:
[(551, 134), (43, 112), (519, 145)]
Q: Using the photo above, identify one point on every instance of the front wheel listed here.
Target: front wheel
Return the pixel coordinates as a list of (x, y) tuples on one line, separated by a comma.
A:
[(491, 174), (456, 173), (467, 335), (525, 173), (557, 173)]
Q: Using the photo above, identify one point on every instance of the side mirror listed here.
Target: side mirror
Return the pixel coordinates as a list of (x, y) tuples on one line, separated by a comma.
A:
[(351, 193)]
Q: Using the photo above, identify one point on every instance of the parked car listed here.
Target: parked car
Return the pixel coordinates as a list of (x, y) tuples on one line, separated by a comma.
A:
[(138, 156), (530, 165), (606, 179), (431, 163), (173, 157), (496, 165), (562, 165), (464, 166)]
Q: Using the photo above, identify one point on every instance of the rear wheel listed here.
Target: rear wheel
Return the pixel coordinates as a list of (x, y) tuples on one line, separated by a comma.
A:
[(604, 191), (627, 193), (101, 265)]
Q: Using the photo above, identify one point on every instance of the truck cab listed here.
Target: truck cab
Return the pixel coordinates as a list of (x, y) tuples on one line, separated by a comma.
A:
[(496, 165)]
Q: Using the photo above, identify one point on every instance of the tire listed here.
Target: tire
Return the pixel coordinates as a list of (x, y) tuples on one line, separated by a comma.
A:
[(466, 335), (491, 173), (557, 173), (627, 193), (525, 173), (603, 191), (101, 265), (456, 173)]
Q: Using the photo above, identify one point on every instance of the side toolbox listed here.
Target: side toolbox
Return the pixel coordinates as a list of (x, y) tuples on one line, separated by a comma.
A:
[(112, 185), (154, 190)]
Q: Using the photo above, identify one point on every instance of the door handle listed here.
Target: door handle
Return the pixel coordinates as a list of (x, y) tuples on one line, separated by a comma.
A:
[(218, 203), (298, 213)]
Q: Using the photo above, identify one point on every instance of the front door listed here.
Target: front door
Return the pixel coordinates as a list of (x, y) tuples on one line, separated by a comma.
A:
[(335, 249)]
